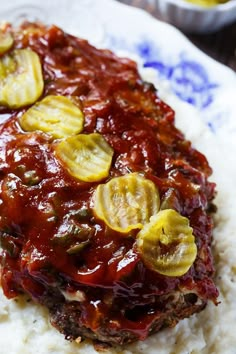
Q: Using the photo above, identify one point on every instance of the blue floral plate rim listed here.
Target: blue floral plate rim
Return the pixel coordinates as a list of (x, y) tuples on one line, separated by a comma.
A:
[(193, 77)]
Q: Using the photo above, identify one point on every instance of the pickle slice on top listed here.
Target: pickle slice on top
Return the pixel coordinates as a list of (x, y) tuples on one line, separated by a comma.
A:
[(87, 157), (167, 244), (21, 79), (6, 41), (127, 202), (55, 115)]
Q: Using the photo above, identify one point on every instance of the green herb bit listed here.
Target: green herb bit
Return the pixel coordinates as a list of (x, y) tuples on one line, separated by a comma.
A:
[(31, 178), (83, 214), (73, 232), (78, 247), (7, 244)]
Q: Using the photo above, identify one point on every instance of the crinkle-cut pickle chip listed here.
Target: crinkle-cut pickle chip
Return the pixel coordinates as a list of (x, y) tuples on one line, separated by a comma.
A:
[(21, 79), (55, 115), (86, 156), (127, 202), (167, 244), (6, 41)]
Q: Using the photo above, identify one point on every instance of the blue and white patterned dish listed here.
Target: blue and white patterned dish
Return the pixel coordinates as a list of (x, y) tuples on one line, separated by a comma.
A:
[(193, 76)]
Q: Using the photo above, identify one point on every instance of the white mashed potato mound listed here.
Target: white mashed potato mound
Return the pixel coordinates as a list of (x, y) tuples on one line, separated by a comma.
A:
[(25, 327)]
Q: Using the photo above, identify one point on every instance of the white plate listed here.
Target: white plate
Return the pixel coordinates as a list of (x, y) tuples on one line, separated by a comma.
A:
[(194, 78)]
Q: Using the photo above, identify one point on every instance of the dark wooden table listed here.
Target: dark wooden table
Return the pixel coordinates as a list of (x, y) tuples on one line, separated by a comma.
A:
[(220, 45)]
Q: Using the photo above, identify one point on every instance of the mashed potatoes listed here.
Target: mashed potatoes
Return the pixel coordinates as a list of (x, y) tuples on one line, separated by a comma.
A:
[(25, 327)]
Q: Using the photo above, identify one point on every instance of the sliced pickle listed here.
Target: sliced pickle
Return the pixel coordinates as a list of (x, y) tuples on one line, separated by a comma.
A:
[(86, 157), (21, 79), (55, 115), (127, 202), (167, 244), (6, 41)]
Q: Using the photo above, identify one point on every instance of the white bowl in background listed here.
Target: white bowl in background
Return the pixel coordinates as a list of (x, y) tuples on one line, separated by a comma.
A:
[(195, 18)]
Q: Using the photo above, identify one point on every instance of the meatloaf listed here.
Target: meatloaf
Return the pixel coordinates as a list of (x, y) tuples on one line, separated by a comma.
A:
[(105, 207)]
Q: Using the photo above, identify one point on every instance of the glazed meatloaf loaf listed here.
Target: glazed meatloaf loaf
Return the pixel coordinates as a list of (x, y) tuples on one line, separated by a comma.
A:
[(104, 205)]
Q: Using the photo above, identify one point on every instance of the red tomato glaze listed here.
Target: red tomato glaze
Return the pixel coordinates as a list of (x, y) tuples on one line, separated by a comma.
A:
[(42, 207)]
